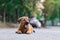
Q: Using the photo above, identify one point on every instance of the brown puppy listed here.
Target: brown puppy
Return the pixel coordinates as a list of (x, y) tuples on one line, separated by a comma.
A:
[(24, 26)]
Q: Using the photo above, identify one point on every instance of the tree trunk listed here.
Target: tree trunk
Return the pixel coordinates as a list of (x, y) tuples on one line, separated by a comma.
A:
[(52, 22), (18, 12), (4, 11), (59, 19), (44, 22), (4, 16)]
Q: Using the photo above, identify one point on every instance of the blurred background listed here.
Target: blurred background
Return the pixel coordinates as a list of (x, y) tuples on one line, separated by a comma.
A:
[(47, 11)]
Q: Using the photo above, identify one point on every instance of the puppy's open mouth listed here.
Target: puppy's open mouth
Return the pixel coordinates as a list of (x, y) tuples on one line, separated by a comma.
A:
[(26, 24)]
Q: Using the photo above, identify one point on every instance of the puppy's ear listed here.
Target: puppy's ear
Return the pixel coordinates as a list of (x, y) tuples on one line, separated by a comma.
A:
[(19, 19)]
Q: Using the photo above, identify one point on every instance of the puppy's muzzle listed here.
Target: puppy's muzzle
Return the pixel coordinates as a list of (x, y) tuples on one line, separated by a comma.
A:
[(26, 23)]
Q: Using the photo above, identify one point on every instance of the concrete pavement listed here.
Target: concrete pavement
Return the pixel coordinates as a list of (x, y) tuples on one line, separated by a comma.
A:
[(52, 33)]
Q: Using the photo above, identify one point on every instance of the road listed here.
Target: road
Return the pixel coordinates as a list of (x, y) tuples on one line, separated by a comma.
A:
[(52, 33)]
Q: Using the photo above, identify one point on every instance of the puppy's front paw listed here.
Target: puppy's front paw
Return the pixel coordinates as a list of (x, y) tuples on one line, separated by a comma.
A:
[(18, 32), (28, 32)]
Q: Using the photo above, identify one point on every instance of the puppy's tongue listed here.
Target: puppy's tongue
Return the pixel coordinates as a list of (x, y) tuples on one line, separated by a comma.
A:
[(26, 26)]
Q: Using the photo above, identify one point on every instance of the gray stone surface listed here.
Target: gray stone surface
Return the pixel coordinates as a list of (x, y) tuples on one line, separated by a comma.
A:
[(52, 33)]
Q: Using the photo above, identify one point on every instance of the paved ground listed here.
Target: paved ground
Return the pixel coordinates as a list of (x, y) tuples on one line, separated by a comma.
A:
[(52, 33)]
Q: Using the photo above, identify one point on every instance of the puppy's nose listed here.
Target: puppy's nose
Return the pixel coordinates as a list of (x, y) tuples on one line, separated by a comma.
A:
[(26, 23)]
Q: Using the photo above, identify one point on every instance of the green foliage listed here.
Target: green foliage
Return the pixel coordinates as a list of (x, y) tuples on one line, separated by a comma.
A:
[(17, 8), (51, 9)]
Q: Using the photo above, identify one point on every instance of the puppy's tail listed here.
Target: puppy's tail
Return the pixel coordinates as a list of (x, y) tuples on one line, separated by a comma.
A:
[(34, 31)]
